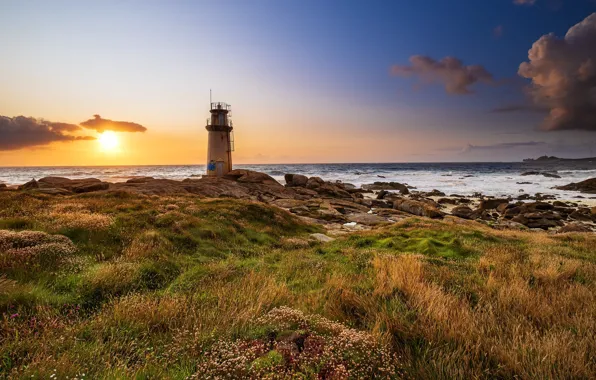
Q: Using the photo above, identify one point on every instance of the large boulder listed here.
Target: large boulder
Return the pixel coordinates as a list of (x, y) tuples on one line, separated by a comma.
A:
[(366, 219), (417, 208), (575, 227), (463, 212), (489, 204), (403, 189), (296, 180), (539, 219), (545, 174), (90, 186), (33, 184), (314, 183), (85, 185), (250, 176), (587, 186), (140, 180), (3, 186)]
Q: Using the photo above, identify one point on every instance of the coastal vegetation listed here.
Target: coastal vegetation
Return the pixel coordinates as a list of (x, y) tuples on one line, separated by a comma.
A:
[(122, 285)]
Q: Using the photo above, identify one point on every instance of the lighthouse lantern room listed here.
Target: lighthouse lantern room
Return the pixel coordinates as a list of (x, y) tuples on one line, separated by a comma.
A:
[(220, 140)]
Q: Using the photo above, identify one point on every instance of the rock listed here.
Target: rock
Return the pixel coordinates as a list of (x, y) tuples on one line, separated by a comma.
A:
[(366, 219), (545, 174), (559, 204), (524, 183), (593, 211), (85, 185), (297, 180), (250, 176), (332, 190), (382, 194), (29, 185), (3, 186), (581, 214), (489, 204), (140, 180), (509, 224), (587, 186), (463, 212), (574, 227), (503, 207), (53, 191), (89, 187), (435, 193), (321, 237), (524, 197), (417, 208), (314, 183), (403, 189), (447, 201), (377, 203), (543, 220)]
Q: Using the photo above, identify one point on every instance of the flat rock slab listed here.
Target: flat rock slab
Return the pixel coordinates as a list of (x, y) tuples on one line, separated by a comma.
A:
[(321, 237), (366, 219)]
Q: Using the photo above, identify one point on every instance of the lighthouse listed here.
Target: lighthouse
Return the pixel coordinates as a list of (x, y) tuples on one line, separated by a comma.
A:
[(220, 140)]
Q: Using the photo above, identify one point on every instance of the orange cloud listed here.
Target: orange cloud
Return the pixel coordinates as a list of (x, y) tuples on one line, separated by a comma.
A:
[(100, 125), (449, 71)]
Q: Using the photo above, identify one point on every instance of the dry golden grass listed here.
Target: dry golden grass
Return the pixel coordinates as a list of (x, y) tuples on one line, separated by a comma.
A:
[(151, 288)]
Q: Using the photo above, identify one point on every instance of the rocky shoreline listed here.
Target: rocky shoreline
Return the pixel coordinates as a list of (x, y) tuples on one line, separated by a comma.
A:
[(342, 207)]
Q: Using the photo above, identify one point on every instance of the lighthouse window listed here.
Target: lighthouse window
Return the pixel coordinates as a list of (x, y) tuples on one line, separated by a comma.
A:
[(221, 119)]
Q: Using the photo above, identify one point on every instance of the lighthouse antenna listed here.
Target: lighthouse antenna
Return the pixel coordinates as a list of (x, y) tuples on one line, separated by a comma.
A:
[(210, 100)]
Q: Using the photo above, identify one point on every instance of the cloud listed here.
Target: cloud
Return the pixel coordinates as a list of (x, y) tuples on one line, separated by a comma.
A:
[(101, 125), (25, 132), (524, 2), (563, 75), (519, 108), (501, 146), (449, 71), (498, 31)]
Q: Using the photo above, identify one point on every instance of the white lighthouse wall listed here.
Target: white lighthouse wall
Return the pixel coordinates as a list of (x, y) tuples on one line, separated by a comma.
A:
[(217, 150)]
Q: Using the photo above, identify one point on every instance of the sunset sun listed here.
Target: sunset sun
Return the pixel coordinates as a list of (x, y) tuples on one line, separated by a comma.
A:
[(108, 141)]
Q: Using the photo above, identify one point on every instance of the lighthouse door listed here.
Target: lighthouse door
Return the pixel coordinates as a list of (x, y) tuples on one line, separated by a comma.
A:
[(219, 168)]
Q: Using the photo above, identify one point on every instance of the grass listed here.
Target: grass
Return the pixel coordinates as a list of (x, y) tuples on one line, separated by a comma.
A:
[(181, 287)]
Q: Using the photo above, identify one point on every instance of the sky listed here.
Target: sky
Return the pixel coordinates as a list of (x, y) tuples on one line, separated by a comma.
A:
[(127, 82)]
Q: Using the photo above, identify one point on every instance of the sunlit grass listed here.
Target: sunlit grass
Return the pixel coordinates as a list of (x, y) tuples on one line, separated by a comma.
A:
[(152, 287)]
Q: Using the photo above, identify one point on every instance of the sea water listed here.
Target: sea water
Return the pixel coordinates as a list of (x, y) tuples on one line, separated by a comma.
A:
[(497, 179)]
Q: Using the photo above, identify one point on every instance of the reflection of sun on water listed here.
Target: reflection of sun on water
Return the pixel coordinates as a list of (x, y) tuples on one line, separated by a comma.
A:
[(108, 141)]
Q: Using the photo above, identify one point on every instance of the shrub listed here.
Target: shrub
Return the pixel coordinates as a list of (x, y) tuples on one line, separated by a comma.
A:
[(32, 250), (292, 344)]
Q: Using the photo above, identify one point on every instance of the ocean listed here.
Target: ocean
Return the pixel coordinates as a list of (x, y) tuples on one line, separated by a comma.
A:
[(497, 179)]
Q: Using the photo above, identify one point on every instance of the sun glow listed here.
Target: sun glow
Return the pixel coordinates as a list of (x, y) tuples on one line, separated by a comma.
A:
[(108, 141)]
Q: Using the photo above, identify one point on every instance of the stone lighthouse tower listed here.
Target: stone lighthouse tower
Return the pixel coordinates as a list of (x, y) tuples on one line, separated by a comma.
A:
[(220, 140)]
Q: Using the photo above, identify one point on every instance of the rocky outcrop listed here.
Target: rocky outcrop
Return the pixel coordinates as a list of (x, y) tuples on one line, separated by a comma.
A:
[(490, 204), (250, 176), (463, 212), (587, 186), (296, 180), (575, 227), (403, 189), (417, 208), (85, 185), (33, 184), (321, 237), (140, 180), (545, 174)]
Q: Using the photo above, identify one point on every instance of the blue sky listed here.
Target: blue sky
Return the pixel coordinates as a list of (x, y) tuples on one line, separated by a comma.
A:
[(309, 80)]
